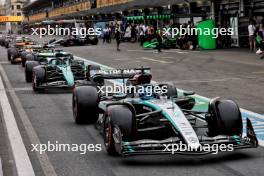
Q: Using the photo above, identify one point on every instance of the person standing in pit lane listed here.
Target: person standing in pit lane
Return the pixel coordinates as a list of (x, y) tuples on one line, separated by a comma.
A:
[(118, 37), (251, 34), (158, 36), (260, 40), (141, 34)]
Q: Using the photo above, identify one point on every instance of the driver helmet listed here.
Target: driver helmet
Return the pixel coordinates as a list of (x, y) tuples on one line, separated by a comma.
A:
[(146, 92)]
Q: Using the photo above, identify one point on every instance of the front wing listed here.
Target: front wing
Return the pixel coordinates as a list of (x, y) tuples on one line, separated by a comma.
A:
[(171, 145)]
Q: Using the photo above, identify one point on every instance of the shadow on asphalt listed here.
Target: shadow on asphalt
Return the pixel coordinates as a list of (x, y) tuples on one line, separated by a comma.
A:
[(179, 160), (55, 91)]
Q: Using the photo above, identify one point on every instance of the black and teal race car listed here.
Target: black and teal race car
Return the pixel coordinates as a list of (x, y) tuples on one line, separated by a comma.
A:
[(143, 123), (55, 69)]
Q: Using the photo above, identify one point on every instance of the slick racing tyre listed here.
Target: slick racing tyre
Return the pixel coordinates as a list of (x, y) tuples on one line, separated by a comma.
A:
[(28, 57), (38, 77), (11, 54), (8, 56), (6, 45), (85, 101), (94, 41), (23, 58), (224, 118), (119, 117), (13, 59), (29, 70)]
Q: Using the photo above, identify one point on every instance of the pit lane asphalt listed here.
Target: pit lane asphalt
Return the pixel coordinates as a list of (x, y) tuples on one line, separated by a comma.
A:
[(227, 74)]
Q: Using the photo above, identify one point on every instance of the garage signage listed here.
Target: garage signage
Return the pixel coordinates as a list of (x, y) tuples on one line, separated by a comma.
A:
[(11, 18)]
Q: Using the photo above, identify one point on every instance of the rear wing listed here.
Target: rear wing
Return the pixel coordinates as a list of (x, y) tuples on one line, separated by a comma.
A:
[(118, 73)]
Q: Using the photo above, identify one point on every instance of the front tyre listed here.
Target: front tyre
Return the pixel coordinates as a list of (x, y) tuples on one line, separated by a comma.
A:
[(29, 66), (224, 118), (9, 57), (85, 101), (38, 78), (119, 119)]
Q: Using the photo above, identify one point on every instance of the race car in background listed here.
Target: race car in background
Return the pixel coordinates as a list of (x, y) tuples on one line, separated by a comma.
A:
[(39, 53), (41, 58), (5, 40), (29, 50), (58, 70), (53, 43), (143, 123), (17, 47), (79, 41)]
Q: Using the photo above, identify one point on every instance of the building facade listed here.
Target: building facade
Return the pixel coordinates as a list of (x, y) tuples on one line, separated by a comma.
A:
[(226, 13), (14, 8), (218, 9), (2, 10), (2, 13)]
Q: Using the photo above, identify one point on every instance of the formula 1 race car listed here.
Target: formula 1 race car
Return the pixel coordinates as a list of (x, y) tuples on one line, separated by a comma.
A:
[(5, 41), (16, 48), (29, 50), (57, 71), (41, 57), (53, 43), (143, 123), (79, 41)]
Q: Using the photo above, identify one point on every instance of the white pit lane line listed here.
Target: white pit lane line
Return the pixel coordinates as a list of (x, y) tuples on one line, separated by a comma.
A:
[(1, 169), (257, 119), (21, 158), (19, 152)]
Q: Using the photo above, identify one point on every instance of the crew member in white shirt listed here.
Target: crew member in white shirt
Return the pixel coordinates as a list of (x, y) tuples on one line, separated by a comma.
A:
[(251, 34)]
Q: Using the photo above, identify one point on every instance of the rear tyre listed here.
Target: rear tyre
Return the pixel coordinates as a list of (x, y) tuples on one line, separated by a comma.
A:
[(23, 58), (28, 57), (124, 118), (8, 57), (224, 118), (13, 55), (85, 101), (6, 45), (9, 50), (94, 41), (29, 65), (13, 59)]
